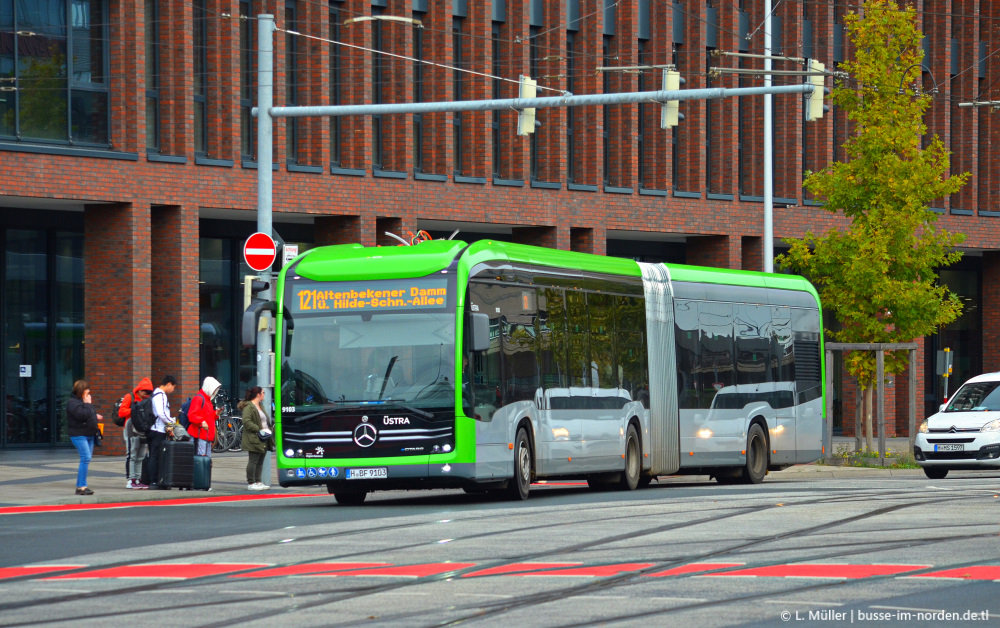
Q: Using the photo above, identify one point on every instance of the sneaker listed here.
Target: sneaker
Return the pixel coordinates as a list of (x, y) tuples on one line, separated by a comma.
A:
[(264, 487), (129, 483), (139, 485), (252, 487), (84, 491)]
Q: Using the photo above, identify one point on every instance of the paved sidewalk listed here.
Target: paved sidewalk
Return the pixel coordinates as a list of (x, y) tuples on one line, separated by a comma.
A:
[(48, 476)]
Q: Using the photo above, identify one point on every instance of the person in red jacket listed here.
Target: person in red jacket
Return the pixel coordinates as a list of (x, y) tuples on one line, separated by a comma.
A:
[(135, 443), (203, 415)]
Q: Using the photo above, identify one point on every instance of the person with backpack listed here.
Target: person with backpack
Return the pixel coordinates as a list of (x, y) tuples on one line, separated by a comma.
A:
[(202, 416), (135, 442), (158, 432)]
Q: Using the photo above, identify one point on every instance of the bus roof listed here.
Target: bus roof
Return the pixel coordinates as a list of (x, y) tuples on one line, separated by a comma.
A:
[(392, 262)]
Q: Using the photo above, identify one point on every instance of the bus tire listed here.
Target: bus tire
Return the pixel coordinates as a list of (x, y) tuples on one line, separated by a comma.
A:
[(633, 461), (756, 465), (520, 484), (352, 498)]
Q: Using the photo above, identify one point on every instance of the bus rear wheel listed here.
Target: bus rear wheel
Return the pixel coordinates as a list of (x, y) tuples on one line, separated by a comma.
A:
[(353, 498), (633, 462), (520, 484), (756, 465)]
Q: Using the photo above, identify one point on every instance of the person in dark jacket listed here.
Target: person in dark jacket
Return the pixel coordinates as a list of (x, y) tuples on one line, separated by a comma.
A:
[(82, 419), (255, 423)]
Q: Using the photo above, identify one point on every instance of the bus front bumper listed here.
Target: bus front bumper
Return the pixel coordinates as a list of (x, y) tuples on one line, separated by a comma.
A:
[(372, 478)]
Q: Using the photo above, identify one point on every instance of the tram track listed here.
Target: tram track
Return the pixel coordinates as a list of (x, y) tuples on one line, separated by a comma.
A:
[(321, 598)]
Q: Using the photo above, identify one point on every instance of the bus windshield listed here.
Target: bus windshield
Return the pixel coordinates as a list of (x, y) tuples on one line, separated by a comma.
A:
[(402, 356)]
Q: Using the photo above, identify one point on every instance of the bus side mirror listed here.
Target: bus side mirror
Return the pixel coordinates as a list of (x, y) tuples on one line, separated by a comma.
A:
[(478, 326), (250, 319)]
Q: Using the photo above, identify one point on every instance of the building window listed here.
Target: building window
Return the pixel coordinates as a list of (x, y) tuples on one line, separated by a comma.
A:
[(606, 88), (418, 96), (248, 84), (571, 113), (644, 85), (54, 56), (379, 67), (535, 52), (335, 58), (457, 79), (152, 71), (291, 82), (200, 37), (495, 43)]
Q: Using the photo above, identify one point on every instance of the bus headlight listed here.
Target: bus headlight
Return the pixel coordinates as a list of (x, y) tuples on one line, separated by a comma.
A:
[(992, 426), (923, 427)]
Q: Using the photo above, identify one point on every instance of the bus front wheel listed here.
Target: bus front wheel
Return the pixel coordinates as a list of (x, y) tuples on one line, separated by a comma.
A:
[(756, 465), (353, 498), (520, 485)]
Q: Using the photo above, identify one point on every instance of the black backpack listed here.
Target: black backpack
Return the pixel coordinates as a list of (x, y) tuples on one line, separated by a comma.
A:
[(143, 417), (118, 420), (182, 415)]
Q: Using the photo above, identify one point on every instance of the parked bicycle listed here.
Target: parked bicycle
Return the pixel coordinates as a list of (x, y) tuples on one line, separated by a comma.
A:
[(228, 427)]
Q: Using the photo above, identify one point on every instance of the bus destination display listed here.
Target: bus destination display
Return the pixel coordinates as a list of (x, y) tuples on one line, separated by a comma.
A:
[(391, 295)]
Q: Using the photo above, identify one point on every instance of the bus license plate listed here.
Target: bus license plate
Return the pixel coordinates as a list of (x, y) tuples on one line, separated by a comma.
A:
[(950, 447), (365, 474)]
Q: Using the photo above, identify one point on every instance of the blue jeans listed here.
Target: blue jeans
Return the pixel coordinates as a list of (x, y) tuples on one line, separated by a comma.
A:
[(84, 445)]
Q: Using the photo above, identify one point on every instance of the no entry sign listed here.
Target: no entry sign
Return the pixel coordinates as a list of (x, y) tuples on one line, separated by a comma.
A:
[(259, 251)]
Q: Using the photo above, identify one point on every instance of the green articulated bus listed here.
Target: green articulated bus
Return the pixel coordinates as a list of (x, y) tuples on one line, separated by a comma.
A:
[(491, 365)]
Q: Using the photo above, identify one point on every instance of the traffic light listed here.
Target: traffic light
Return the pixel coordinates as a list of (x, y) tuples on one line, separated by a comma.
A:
[(814, 106), (526, 118), (670, 114), (252, 286)]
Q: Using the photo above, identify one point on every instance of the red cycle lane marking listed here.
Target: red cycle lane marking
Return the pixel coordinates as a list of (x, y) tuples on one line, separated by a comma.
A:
[(693, 568), (17, 572), (593, 572), (175, 571), (839, 571), (307, 570), (516, 569), (21, 510), (979, 572), (412, 571)]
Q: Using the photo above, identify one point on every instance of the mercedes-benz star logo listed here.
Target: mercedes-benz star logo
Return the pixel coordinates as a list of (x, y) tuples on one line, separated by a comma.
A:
[(365, 434)]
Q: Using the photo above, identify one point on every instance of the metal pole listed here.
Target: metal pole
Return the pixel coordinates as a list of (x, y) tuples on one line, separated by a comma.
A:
[(880, 389), (768, 148), (858, 411), (913, 398), (617, 98), (828, 444), (265, 90)]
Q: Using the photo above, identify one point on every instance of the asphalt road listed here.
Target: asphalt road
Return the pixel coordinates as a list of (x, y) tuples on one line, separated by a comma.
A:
[(874, 550)]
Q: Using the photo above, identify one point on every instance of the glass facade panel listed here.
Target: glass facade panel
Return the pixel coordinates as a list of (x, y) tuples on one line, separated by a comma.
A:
[(26, 310), (69, 321), (216, 291)]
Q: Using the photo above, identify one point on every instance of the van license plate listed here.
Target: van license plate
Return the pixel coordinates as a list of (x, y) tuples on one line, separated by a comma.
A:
[(366, 474), (950, 447)]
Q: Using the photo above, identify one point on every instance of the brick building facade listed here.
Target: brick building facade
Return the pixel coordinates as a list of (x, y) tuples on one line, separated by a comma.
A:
[(153, 176)]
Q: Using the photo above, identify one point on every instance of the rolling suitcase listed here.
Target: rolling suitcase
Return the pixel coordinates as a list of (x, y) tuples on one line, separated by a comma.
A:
[(202, 473), (177, 464), (144, 473)]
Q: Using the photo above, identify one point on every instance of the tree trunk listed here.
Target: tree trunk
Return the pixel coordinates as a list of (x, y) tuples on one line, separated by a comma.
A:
[(867, 400)]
